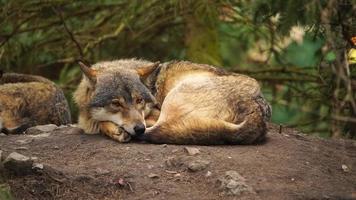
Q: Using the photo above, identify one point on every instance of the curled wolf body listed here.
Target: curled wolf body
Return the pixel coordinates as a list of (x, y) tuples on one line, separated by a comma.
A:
[(29, 100), (187, 103)]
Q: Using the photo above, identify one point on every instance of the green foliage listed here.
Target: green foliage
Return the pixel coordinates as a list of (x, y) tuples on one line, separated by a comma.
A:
[(5, 193)]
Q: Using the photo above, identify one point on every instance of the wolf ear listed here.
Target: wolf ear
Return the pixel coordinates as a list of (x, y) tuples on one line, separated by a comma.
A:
[(144, 71), (88, 72)]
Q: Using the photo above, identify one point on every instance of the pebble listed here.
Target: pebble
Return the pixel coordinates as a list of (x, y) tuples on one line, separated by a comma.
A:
[(232, 183), (21, 148), (345, 168), (198, 165), (37, 166), (208, 174), (192, 150), (152, 175)]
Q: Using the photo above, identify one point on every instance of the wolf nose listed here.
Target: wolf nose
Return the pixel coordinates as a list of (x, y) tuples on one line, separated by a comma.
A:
[(139, 129)]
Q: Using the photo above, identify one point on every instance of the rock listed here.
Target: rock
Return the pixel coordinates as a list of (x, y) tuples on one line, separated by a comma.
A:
[(164, 145), (232, 183), (152, 175), (41, 129), (198, 165), (41, 135), (21, 148), (18, 164), (208, 174), (25, 141), (345, 168), (192, 150), (101, 171), (3, 135), (74, 130), (37, 166), (175, 161)]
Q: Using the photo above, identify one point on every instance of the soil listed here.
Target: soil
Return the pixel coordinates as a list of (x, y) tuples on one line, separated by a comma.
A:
[(289, 165)]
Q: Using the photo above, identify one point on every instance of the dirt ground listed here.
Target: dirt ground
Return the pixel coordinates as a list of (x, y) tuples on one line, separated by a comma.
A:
[(77, 166)]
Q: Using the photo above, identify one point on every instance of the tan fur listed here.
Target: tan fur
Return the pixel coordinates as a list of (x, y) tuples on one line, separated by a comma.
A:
[(27, 100), (205, 105)]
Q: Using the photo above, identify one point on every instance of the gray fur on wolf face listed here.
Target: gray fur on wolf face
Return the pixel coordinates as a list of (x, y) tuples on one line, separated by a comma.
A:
[(120, 97)]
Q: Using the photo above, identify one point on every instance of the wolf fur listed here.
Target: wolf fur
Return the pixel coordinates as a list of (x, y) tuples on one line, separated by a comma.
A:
[(112, 99), (200, 104), (28, 100)]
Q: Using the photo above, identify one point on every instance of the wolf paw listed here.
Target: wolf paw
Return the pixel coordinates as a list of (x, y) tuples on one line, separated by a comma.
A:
[(121, 135), (112, 130)]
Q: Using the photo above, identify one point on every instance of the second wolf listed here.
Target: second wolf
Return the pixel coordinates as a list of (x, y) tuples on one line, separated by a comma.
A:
[(199, 104), (29, 100)]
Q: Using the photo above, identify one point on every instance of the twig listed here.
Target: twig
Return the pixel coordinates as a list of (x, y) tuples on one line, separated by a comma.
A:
[(71, 35)]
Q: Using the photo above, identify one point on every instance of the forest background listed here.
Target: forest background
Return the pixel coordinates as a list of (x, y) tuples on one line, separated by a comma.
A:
[(302, 52)]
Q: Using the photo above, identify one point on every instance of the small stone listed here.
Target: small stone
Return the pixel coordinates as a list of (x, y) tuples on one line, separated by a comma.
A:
[(55, 147), (208, 173), (345, 168), (292, 179), (232, 183), (41, 129), (25, 141), (177, 175), (34, 158), (153, 176), (192, 150), (3, 135), (42, 135), (229, 157), (101, 171), (21, 148), (198, 165), (150, 166), (18, 163), (175, 150), (37, 166), (164, 145)]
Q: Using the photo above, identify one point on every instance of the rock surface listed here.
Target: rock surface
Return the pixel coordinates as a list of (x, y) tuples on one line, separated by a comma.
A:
[(232, 183), (18, 163), (95, 167), (192, 150), (41, 129)]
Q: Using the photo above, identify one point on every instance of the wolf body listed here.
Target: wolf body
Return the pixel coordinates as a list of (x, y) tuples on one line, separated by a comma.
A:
[(191, 103), (28, 100)]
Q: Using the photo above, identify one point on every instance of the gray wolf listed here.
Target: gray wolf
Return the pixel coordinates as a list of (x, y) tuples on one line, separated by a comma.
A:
[(176, 102), (29, 100)]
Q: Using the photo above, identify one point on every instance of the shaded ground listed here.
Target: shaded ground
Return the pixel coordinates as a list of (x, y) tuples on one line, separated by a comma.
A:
[(77, 166)]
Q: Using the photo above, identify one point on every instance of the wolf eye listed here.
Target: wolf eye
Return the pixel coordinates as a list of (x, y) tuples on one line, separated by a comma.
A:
[(116, 103), (139, 100)]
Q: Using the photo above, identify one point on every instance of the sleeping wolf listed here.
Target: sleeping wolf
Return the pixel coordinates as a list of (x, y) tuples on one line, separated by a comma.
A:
[(186, 103), (27, 100)]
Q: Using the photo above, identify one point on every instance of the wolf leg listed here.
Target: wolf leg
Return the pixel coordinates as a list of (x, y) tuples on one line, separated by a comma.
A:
[(112, 130)]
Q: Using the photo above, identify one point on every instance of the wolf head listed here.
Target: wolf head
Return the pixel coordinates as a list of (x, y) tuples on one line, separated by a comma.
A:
[(119, 96)]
